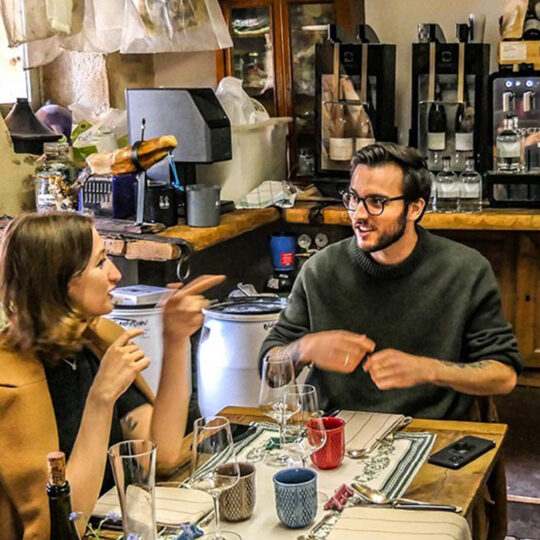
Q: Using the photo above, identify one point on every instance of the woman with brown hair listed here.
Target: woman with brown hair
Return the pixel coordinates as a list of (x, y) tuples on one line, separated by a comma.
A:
[(70, 379)]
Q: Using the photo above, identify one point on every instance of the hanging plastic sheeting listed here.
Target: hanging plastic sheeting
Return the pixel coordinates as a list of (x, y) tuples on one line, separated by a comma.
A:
[(31, 20), (101, 33), (153, 26), (106, 26), (102, 28), (42, 52)]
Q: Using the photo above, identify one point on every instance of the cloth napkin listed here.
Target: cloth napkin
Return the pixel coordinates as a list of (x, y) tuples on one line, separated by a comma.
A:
[(173, 505), (363, 430), (371, 523), (269, 193)]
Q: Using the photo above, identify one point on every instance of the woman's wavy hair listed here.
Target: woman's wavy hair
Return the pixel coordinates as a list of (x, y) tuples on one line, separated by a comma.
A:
[(39, 255)]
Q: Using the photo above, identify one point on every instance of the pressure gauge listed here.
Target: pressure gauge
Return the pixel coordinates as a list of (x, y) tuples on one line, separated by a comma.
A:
[(304, 241), (321, 240)]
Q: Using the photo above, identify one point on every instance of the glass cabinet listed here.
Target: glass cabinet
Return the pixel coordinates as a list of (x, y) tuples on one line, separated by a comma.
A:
[(274, 55)]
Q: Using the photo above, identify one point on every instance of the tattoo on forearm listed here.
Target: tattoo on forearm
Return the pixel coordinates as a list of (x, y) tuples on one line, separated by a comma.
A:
[(474, 365), (129, 423)]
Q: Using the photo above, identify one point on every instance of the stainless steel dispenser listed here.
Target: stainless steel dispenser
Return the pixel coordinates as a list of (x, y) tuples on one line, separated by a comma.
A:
[(514, 128), (197, 120)]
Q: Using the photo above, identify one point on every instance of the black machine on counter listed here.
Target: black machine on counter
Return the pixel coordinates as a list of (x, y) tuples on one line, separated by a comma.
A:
[(203, 131), (449, 109), (514, 129), (355, 101)]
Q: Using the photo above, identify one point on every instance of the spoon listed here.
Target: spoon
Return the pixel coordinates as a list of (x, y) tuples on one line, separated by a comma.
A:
[(310, 535), (375, 496)]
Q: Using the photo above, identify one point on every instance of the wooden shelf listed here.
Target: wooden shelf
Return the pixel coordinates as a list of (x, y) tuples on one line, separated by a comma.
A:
[(232, 224), (168, 244), (490, 219)]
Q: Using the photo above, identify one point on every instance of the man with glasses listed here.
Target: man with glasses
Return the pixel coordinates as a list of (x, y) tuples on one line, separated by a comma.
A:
[(396, 319)]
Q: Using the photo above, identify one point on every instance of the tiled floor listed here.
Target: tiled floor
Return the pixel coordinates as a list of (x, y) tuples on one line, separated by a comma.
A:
[(521, 411)]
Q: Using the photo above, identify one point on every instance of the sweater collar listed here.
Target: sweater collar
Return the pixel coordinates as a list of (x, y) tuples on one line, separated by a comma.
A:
[(386, 271)]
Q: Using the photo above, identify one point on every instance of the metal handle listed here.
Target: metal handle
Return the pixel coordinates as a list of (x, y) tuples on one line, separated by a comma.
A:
[(322, 522), (507, 100), (425, 506), (528, 101)]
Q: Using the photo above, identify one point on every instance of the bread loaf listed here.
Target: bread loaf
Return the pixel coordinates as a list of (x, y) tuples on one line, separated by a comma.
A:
[(119, 161)]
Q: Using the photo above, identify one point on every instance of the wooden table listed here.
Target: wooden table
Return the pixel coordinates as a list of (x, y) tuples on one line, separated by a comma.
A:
[(435, 484), (432, 483)]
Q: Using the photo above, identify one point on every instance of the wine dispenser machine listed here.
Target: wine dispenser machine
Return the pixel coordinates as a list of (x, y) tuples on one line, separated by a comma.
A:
[(449, 112), (514, 139), (355, 101)]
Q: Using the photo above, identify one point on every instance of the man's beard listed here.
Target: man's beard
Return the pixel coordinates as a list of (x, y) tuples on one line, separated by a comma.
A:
[(392, 236)]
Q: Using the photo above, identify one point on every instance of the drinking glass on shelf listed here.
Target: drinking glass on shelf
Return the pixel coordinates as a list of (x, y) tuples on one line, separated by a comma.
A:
[(213, 447), (305, 399), (276, 379)]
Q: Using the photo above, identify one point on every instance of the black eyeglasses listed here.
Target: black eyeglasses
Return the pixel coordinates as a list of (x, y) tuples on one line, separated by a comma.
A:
[(374, 204)]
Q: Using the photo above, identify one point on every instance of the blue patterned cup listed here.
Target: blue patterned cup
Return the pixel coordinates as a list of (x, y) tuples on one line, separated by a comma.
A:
[(296, 497)]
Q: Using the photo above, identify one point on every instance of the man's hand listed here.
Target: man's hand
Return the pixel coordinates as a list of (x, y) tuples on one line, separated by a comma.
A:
[(395, 369), (335, 350)]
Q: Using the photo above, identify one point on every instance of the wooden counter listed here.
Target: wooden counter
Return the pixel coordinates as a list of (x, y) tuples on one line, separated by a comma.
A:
[(168, 244), (490, 219), (509, 239), (232, 224)]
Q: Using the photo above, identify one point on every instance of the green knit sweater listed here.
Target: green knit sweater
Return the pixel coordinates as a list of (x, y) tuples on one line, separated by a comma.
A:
[(441, 302)]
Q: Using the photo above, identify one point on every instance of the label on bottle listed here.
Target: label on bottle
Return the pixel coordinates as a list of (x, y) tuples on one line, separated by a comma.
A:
[(436, 141), (513, 50), (470, 190), (509, 150), (361, 142), (45, 202), (464, 142), (447, 191), (341, 149)]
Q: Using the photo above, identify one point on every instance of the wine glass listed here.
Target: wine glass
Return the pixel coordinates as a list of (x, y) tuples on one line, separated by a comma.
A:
[(306, 427), (277, 378), (213, 447)]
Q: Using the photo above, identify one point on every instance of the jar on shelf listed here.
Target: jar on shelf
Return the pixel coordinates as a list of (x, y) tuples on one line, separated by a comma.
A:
[(54, 179)]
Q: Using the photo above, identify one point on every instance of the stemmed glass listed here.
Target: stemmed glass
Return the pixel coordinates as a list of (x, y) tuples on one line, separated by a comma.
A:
[(276, 379), (213, 447), (306, 426)]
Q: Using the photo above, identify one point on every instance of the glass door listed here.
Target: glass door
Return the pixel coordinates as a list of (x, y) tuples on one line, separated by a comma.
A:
[(252, 56), (307, 26)]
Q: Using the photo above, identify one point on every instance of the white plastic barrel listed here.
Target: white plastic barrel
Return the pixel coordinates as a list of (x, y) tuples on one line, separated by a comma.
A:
[(150, 341), (227, 359)]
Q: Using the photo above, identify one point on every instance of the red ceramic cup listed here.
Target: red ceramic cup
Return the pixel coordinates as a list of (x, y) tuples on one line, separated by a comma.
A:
[(331, 454)]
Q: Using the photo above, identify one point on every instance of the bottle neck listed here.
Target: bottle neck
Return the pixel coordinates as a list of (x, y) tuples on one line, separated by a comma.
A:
[(446, 165), (469, 165), (62, 527), (508, 124)]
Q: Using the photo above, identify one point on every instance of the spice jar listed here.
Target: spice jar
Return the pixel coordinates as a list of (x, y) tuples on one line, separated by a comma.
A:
[(54, 179)]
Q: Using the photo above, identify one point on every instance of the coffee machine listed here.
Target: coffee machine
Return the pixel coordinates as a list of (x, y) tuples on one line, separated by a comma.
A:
[(514, 129), (449, 108), (203, 131), (355, 101)]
